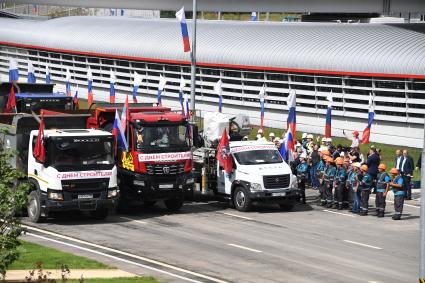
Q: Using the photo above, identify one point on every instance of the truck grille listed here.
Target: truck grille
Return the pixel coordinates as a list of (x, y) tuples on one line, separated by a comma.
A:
[(85, 184), (276, 181), (165, 169)]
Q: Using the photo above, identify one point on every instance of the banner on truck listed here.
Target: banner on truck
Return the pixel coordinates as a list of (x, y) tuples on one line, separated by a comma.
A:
[(163, 157), (84, 175)]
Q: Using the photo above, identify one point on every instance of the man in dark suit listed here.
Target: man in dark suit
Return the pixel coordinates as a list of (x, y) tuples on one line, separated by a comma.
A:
[(407, 166), (398, 159)]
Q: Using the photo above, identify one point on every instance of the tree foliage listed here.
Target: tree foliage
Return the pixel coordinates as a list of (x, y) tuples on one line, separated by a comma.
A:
[(13, 198)]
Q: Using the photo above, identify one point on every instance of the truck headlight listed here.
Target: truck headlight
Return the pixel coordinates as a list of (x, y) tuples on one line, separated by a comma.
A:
[(113, 193), (294, 182), (255, 187), (190, 181), (55, 195), (139, 183)]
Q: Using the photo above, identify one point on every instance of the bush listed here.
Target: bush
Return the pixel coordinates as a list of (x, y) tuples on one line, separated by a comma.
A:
[(13, 198)]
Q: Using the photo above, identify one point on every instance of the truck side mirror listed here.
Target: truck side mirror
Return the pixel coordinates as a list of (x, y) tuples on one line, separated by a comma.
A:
[(197, 139)]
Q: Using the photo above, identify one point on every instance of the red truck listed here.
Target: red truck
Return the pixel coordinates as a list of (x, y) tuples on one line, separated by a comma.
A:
[(158, 165)]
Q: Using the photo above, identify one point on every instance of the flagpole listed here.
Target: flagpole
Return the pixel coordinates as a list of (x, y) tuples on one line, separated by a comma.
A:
[(193, 65)]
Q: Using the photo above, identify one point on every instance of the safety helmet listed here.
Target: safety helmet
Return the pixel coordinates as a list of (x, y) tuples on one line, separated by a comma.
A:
[(394, 171), (330, 160), (355, 133), (364, 167), (339, 161), (310, 136), (260, 131), (329, 139), (303, 155), (304, 136), (356, 164), (382, 166), (271, 134), (323, 139)]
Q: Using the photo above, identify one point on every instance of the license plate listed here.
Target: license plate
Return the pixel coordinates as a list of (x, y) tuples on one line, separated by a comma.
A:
[(278, 194), (88, 196), (166, 186)]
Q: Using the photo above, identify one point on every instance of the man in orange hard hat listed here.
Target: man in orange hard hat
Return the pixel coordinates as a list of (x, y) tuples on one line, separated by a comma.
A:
[(340, 188), (328, 180), (397, 187), (365, 186), (382, 187)]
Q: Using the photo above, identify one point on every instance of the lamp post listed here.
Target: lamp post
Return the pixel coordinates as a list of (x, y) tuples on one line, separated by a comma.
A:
[(193, 65)]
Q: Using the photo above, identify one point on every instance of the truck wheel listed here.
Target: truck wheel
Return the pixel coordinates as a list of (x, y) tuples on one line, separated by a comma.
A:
[(34, 208), (241, 199), (173, 204), (99, 214), (286, 207)]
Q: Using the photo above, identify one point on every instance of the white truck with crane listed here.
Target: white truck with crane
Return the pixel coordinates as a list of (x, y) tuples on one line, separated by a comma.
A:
[(259, 172)]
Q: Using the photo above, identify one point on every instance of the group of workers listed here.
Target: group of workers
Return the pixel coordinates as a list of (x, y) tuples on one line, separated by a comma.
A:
[(344, 178)]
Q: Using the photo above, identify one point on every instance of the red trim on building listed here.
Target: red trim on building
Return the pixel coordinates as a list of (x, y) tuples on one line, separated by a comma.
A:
[(205, 64)]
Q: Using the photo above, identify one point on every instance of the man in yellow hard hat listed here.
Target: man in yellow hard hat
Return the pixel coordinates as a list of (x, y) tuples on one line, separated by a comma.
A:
[(396, 186)]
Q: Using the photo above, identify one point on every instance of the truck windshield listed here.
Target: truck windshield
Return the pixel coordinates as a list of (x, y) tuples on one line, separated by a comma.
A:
[(162, 138), (81, 153), (255, 157)]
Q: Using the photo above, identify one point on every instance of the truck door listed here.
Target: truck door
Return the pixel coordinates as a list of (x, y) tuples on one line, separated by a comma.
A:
[(224, 181)]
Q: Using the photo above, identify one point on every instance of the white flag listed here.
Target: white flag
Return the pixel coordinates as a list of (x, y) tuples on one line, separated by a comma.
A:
[(182, 84), (217, 87), (137, 79), (162, 83)]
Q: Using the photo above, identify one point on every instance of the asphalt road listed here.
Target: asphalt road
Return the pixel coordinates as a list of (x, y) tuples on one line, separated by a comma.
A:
[(309, 244)]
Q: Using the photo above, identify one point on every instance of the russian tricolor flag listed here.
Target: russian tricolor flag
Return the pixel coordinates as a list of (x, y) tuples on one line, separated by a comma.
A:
[(328, 132), (31, 76), (118, 133), (287, 148), (161, 86), (90, 95), (371, 116), (137, 82), (47, 77), (182, 19), (181, 89), (75, 100), (218, 89), (13, 70), (68, 82), (186, 109), (292, 119), (125, 114), (254, 16), (112, 87), (262, 100)]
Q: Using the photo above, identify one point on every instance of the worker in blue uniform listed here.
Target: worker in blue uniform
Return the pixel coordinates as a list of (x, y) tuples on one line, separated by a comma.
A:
[(365, 186), (302, 170), (397, 187), (328, 180), (382, 187), (356, 177), (339, 183)]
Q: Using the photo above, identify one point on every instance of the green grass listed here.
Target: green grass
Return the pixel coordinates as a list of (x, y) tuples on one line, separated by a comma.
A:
[(119, 280), (51, 259), (387, 151)]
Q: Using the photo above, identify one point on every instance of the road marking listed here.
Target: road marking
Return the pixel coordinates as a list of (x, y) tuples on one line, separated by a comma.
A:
[(114, 257), (245, 248), (125, 254), (238, 216), (200, 203), (339, 213), (409, 205), (363, 245), (134, 220)]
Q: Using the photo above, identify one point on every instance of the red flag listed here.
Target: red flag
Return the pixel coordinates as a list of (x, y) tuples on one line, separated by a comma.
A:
[(11, 101), (39, 152), (223, 153)]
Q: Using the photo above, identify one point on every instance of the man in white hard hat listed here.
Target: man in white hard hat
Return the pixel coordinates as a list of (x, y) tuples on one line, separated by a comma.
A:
[(260, 135), (309, 145), (302, 170), (271, 137)]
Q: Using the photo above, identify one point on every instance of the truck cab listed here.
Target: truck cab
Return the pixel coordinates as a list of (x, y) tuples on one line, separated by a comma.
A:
[(34, 97), (78, 173), (259, 175)]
